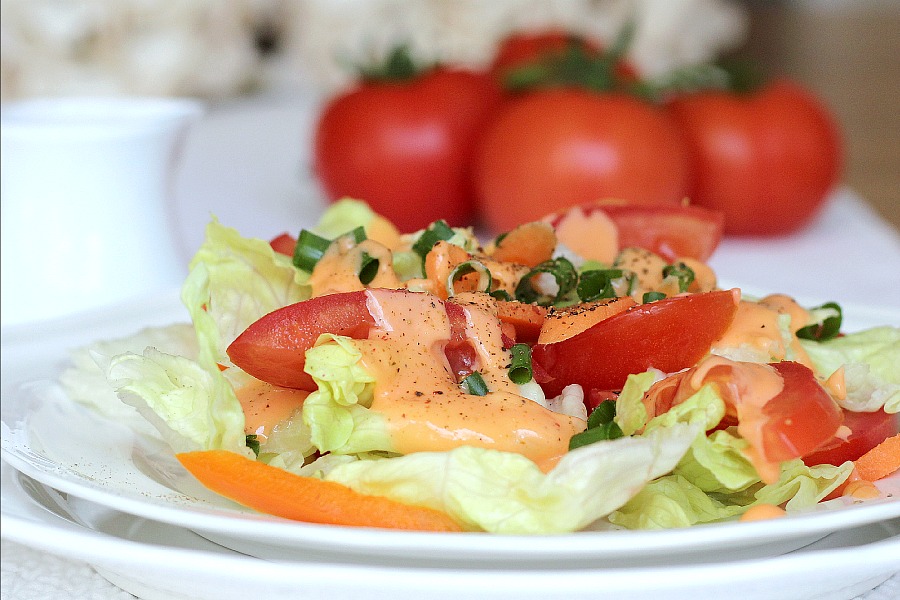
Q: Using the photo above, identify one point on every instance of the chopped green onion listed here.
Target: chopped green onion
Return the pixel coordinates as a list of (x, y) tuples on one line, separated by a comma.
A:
[(829, 326), (600, 426), (501, 295), (368, 268), (474, 384), (470, 266), (607, 431), (311, 247), (652, 297), (682, 272), (605, 412), (562, 270), (597, 284), (436, 232), (520, 367), (253, 443)]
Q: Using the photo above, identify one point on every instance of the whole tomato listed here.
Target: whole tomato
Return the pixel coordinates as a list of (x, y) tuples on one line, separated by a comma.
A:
[(405, 146), (558, 147), (767, 159), (524, 48)]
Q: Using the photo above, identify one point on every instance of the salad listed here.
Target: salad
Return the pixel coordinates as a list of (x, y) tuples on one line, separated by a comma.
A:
[(574, 372)]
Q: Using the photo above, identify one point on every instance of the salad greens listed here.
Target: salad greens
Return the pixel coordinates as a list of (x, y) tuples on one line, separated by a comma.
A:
[(672, 470)]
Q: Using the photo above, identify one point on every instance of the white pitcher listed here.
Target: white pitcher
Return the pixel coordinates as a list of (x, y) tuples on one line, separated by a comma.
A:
[(86, 217)]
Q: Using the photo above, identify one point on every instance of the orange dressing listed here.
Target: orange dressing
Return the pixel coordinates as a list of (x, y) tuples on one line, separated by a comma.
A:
[(266, 405), (747, 387), (424, 407), (338, 269), (862, 490), (756, 326), (593, 237), (761, 512)]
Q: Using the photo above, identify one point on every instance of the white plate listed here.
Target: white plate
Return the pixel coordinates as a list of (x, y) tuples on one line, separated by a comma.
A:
[(155, 561), (59, 443)]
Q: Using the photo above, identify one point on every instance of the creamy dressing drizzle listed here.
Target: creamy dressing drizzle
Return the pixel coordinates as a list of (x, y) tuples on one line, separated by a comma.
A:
[(266, 405), (425, 408)]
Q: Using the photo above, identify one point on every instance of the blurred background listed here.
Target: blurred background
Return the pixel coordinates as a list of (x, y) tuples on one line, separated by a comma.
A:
[(844, 50)]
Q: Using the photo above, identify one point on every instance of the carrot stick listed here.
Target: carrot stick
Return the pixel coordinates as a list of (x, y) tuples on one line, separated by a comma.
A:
[(529, 244), (880, 461), (277, 492)]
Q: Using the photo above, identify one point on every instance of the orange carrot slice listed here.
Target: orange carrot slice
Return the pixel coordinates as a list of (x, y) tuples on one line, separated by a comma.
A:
[(563, 323), (440, 262), (277, 492), (880, 461), (529, 244), (526, 319)]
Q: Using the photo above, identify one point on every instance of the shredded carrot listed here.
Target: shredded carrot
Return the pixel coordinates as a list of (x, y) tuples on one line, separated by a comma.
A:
[(880, 461), (529, 244), (277, 492), (527, 319), (440, 262), (563, 323)]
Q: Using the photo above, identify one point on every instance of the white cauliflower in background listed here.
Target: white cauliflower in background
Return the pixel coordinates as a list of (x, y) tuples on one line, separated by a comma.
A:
[(217, 50), (204, 48), (325, 38)]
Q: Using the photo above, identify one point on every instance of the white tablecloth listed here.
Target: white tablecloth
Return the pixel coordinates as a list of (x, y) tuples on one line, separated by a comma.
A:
[(246, 166)]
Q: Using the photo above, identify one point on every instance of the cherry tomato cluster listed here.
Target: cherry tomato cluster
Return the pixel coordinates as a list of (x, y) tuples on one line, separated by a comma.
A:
[(528, 137)]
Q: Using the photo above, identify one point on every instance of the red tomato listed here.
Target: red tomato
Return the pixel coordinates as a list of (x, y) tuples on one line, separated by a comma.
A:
[(767, 160), (791, 424), (523, 48), (868, 429), (274, 347), (406, 147), (676, 231), (669, 334), (800, 418), (284, 244), (555, 148)]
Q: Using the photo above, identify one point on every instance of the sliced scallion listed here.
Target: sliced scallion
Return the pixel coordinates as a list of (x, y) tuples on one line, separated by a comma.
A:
[(561, 269), (434, 233), (252, 442), (520, 366), (607, 431), (682, 272), (470, 266), (501, 295), (652, 297), (309, 249), (829, 325), (474, 384), (597, 284), (368, 268)]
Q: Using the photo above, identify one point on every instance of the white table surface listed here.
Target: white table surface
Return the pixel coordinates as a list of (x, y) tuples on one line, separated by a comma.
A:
[(247, 163)]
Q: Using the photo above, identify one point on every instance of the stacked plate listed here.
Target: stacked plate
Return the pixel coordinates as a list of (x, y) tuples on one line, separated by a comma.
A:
[(79, 485)]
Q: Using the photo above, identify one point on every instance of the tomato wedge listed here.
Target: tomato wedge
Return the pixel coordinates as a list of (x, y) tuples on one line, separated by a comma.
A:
[(800, 418), (274, 347), (669, 334), (284, 244), (668, 230), (867, 430)]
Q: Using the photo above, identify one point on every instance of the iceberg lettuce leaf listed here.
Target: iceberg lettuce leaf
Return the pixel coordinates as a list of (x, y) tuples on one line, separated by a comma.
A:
[(233, 281), (870, 360), (337, 413), (504, 492), (193, 408)]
